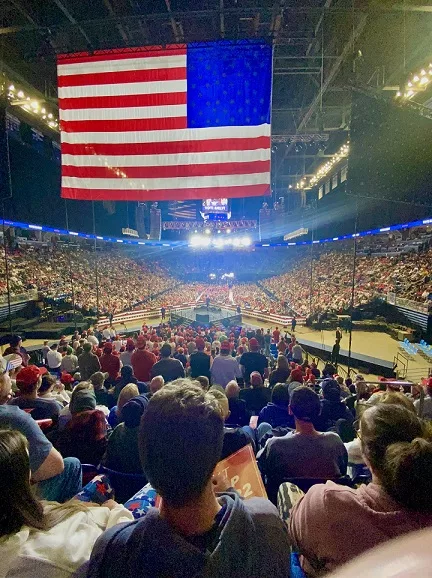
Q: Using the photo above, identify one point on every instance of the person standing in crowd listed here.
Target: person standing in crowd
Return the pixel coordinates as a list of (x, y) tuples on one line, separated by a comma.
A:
[(88, 362), (253, 360), (15, 346), (304, 453), (256, 396), (181, 356), (69, 362), (54, 358), (92, 339), (225, 367), (335, 352), (338, 335), (397, 447), (195, 533), (142, 361), (45, 350), (55, 479), (267, 342), (109, 362), (126, 355), (29, 380), (332, 406), (297, 353), (199, 361), (163, 312), (276, 335), (169, 368), (293, 324)]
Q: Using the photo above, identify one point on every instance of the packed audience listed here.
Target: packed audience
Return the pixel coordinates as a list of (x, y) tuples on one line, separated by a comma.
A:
[(153, 414)]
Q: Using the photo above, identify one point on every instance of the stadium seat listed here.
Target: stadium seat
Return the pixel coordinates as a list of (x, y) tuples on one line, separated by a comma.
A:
[(124, 485)]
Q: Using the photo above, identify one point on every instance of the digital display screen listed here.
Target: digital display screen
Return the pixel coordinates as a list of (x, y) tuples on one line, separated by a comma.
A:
[(214, 206)]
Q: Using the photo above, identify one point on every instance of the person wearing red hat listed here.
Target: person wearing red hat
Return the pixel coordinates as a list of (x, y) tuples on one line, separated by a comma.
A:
[(253, 360), (225, 368), (29, 380), (199, 360), (142, 360), (109, 362)]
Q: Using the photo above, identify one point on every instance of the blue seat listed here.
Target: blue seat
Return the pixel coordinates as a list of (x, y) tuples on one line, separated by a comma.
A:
[(124, 485)]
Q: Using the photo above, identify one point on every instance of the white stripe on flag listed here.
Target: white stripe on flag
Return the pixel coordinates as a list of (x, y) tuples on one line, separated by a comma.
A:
[(186, 134), (168, 183), (152, 63), (168, 111), (166, 160), (157, 87)]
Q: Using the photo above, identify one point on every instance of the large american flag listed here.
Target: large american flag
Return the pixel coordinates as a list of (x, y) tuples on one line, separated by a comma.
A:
[(173, 123)]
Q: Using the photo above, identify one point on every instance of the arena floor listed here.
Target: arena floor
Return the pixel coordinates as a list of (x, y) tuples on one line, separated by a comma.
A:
[(378, 345)]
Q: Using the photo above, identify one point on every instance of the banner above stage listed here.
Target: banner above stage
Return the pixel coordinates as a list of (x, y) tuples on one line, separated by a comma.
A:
[(180, 122)]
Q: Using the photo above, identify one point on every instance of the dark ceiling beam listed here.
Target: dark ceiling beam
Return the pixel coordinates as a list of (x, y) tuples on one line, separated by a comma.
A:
[(222, 18), (173, 22), (119, 27), (72, 20), (347, 51)]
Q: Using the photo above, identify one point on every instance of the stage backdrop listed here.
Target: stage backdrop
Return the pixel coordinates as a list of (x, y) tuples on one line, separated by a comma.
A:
[(166, 123)]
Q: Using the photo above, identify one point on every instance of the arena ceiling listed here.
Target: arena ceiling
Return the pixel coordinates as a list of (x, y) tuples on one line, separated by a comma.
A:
[(322, 48)]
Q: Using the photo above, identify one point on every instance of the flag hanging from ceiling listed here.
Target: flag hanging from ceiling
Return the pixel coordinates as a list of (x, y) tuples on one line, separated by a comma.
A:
[(166, 123)]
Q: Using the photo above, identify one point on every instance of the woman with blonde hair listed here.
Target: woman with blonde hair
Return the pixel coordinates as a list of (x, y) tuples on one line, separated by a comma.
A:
[(44, 538), (127, 393)]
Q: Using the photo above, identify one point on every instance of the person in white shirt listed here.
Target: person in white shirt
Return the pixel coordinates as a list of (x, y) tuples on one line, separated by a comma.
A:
[(39, 538), (106, 333), (91, 338), (54, 357)]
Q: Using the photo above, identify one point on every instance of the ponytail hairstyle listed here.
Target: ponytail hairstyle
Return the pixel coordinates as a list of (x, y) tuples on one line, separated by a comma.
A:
[(398, 446)]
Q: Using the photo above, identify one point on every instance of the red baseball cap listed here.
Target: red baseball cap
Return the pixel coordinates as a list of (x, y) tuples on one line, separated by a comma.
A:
[(66, 377), (28, 376), (200, 343), (253, 343), (225, 345)]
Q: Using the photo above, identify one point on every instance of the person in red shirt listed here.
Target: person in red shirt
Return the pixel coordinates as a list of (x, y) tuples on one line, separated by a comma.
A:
[(142, 360), (276, 335), (110, 363)]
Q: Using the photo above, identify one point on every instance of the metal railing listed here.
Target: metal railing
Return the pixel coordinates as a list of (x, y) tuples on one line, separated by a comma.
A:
[(19, 297)]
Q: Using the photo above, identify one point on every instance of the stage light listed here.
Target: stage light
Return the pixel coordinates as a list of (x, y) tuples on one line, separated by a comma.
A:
[(11, 87), (207, 231), (219, 232), (50, 115), (218, 243), (35, 105), (194, 241), (20, 94), (245, 242), (228, 231)]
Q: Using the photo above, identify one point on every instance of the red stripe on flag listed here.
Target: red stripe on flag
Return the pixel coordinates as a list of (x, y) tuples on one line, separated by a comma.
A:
[(158, 148), (124, 125), (123, 77), (123, 101), (122, 54), (165, 194), (245, 168)]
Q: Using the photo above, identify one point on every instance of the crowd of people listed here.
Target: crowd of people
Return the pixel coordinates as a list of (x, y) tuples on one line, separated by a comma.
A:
[(52, 271), (162, 408)]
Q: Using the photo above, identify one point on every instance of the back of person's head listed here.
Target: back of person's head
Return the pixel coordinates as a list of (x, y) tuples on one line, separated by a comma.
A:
[(18, 506), (204, 382), (232, 389), (397, 398), (297, 375), (48, 382), (82, 399), (126, 372), (280, 394), (181, 438), (156, 383), (69, 350), (282, 362), (128, 392), (254, 344), (331, 389), (98, 379), (133, 410), (256, 379), (54, 346), (108, 348), (305, 404), (222, 400), (398, 447), (87, 347), (165, 350)]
